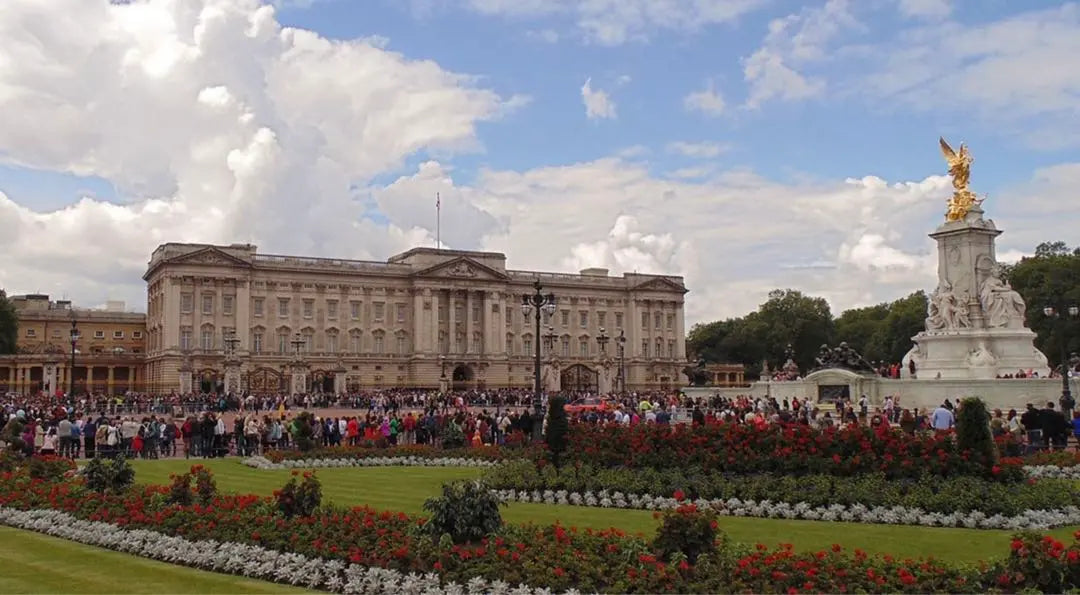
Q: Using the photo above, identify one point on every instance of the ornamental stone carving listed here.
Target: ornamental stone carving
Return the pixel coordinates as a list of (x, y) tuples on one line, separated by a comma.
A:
[(946, 310), (1003, 306), (461, 269)]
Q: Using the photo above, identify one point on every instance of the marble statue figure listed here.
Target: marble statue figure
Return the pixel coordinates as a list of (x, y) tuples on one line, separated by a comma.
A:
[(1002, 305)]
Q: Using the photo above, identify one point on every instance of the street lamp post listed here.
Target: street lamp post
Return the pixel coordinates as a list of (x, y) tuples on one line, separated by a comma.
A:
[(74, 340), (297, 343), (620, 342), (536, 304), (1061, 315), (602, 340)]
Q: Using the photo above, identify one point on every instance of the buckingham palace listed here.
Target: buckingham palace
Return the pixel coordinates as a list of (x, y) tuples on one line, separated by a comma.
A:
[(228, 317)]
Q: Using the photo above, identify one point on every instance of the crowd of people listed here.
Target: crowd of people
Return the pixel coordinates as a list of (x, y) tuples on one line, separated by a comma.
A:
[(153, 426)]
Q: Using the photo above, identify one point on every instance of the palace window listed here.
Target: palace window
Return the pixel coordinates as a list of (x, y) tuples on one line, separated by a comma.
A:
[(509, 317), (584, 316), (618, 320), (566, 346), (644, 320), (258, 306), (187, 303), (31, 332), (670, 322), (118, 335), (659, 348), (657, 317), (309, 341), (601, 318), (309, 308), (283, 341), (257, 342), (459, 343), (378, 343), (400, 312), (207, 304), (136, 334), (442, 312), (477, 343), (476, 313), (227, 305), (99, 334), (527, 345), (354, 310), (331, 342), (583, 347), (645, 348), (402, 346), (509, 344), (355, 345), (459, 313), (207, 341), (565, 314), (671, 349), (379, 311), (185, 339), (444, 342), (331, 309), (283, 307)]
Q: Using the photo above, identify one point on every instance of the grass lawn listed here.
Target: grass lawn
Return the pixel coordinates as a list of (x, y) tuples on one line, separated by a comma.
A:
[(36, 563), (406, 488)]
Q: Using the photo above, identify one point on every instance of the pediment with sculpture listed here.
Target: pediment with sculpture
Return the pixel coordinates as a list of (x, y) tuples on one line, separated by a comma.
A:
[(462, 268), (209, 256)]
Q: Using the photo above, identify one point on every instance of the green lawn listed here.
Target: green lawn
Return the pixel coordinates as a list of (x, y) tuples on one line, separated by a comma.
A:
[(36, 563), (406, 488)]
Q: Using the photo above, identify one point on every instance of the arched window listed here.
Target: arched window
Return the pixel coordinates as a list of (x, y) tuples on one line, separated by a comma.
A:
[(477, 343), (583, 347), (527, 345), (509, 343), (206, 338), (378, 336), (566, 346), (356, 344), (332, 340), (402, 344)]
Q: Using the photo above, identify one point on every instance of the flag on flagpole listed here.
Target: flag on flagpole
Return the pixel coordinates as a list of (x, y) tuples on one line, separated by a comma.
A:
[(437, 200)]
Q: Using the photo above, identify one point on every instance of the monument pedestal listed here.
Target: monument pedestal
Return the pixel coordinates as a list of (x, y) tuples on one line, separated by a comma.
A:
[(299, 384), (232, 377), (975, 322)]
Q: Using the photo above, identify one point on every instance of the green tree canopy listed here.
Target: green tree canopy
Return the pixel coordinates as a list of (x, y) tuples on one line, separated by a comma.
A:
[(1050, 278), (9, 325)]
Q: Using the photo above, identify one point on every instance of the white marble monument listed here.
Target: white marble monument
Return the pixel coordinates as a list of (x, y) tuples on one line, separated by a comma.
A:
[(975, 325)]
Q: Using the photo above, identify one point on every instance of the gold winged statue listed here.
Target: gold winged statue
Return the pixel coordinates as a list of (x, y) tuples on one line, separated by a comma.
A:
[(962, 199)]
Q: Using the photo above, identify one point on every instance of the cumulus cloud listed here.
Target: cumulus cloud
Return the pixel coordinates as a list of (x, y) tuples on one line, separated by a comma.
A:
[(708, 101), (217, 124), (932, 9), (613, 22), (701, 149), (598, 104)]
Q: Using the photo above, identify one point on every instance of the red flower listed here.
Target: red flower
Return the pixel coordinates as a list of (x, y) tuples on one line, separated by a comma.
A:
[(1017, 544), (559, 572), (679, 496)]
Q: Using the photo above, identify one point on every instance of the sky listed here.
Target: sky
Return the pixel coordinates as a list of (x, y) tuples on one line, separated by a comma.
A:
[(747, 145)]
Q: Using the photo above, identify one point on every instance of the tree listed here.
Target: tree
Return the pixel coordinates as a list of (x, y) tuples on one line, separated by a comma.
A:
[(558, 428), (861, 328), (1050, 278), (804, 322), (9, 325)]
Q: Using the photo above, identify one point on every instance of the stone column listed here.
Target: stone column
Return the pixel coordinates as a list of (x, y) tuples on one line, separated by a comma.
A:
[(680, 333), (432, 319), (111, 382), (488, 319), (185, 378), (340, 384), (451, 316), (420, 337)]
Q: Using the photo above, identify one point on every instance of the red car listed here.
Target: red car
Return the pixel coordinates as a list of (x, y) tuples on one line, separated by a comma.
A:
[(588, 404)]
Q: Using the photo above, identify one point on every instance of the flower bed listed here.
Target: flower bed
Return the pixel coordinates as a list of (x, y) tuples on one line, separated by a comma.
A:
[(382, 461), (783, 449), (926, 500), (416, 451), (333, 549)]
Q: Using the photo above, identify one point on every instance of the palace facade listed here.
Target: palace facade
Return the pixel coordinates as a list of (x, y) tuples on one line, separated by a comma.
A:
[(230, 318), (109, 355)]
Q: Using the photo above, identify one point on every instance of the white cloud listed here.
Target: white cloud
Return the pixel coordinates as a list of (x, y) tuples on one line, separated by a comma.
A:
[(613, 22), (598, 104), (701, 149), (795, 40), (707, 101), (218, 125), (1017, 73), (927, 9)]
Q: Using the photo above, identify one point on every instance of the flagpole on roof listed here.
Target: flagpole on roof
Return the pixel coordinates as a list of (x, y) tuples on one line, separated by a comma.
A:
[(438, 222)]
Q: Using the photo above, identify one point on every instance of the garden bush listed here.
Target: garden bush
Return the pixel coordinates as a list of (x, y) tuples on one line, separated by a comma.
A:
[(49, 468), (109, 475), (299, 498), (973, 429), (686, 532), (558, 426), (453, 437), (467, 511), (205, 487), (930, 493), (304, 431), (180, 489)]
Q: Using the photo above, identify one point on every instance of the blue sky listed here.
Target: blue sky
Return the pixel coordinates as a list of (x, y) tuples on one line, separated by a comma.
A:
[(326, 126)]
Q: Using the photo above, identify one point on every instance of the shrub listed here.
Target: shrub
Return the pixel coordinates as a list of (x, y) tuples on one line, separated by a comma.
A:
[(205, 486), (1039, 564), (686, 531), (558, 428), (109, 475), (12, 436), (10, 460), (180, 490), (516, 439), (50, 468), (299, 499), (453, 436), (467, 511), (973, 430), (304, 431)]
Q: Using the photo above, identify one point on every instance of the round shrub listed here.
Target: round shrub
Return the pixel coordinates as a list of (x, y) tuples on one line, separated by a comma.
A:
[(467, 511)]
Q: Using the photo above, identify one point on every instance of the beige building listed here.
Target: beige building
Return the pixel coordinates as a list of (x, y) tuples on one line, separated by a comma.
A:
[(108, 355), (227, 316)]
